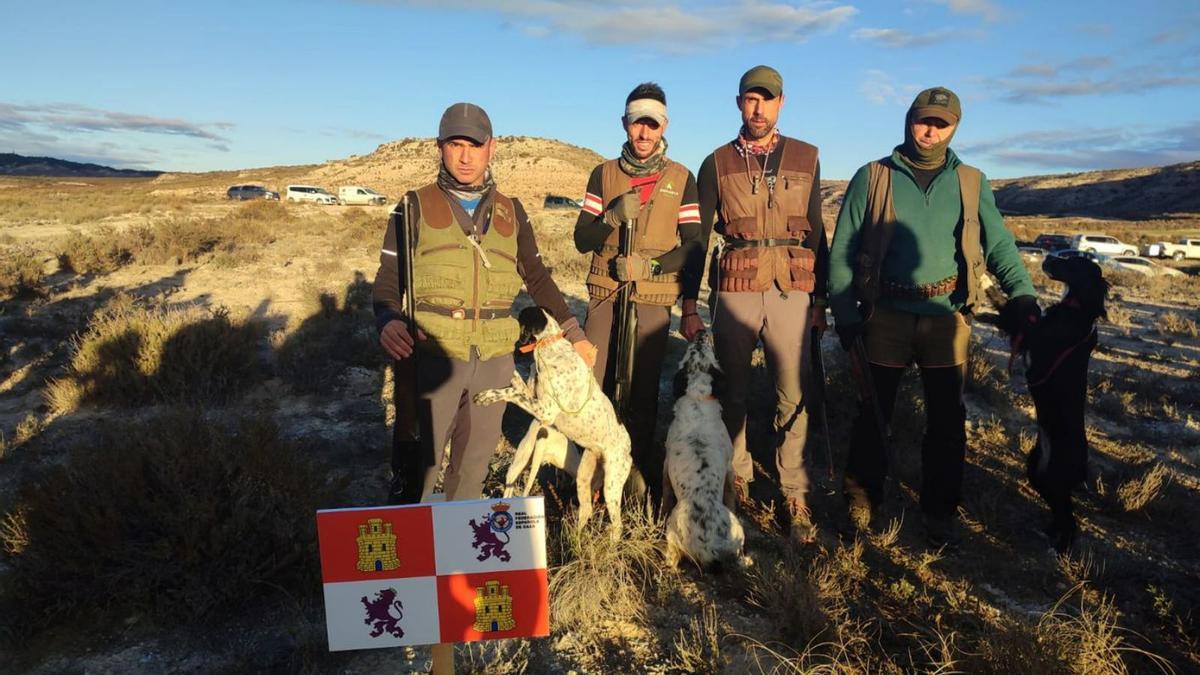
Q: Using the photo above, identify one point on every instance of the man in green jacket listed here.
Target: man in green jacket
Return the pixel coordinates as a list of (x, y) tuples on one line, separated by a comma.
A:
[(915, 233)]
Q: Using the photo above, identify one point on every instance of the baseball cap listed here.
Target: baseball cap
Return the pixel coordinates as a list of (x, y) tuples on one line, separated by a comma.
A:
[(937, 102), (466, 120), (761, 77)]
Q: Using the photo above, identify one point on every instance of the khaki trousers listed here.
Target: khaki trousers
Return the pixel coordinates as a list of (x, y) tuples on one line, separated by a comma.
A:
[(781, 322)]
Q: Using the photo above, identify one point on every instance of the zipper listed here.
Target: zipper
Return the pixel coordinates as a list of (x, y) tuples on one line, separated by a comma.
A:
[(443, 247)]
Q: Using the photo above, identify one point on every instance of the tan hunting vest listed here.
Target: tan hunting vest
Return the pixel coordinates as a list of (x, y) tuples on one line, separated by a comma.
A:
[(656, 232), (460, 302), (880, 218), (745, 212)]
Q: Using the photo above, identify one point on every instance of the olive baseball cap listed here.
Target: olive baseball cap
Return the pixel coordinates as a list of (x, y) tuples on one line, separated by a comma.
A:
[(465, 120), (937, 102), (762, 77)]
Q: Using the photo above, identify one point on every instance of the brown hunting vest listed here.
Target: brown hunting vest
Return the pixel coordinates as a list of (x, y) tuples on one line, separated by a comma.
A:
[(768, 239), (655, 233), (879, 221)]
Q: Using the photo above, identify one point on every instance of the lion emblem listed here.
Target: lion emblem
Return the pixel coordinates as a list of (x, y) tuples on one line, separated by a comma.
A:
[(379, 613), (487, 537)]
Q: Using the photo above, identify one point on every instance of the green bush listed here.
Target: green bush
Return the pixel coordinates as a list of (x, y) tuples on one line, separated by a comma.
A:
[(133, 355), (174, 518)]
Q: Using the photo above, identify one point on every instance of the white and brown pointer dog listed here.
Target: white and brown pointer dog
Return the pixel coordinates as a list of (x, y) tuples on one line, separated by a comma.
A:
[(563, 396), (698, 477)]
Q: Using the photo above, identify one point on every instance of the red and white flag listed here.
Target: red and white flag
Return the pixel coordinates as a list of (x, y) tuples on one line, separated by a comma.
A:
[(434, 573)]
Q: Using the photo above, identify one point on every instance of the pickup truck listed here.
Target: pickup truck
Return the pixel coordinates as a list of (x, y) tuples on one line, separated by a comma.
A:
[(1184, 248)]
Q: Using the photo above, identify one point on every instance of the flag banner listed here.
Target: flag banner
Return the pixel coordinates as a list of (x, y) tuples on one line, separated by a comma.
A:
[(434, 573)]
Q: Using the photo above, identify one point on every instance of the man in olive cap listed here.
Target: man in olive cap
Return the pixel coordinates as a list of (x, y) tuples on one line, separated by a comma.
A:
[(761, 194), (474, 248), (916, 231), (644, 190)]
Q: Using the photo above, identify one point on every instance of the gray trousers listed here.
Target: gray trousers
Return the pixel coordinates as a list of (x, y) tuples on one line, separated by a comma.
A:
[(446, 387), (782, 323)]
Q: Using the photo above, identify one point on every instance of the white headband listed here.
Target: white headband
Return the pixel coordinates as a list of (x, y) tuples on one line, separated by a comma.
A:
[(646, 107)]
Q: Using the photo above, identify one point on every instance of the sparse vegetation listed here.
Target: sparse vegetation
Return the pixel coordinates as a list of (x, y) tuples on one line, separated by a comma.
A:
[(1138, 493), (20, 271)]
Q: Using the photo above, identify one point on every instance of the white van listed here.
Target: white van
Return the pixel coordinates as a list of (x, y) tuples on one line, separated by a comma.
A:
[(309, 193), (1102, 243), (357, 194)]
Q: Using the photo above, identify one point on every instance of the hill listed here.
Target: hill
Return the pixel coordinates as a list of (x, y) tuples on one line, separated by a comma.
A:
[(1115, 193), (12, 164)]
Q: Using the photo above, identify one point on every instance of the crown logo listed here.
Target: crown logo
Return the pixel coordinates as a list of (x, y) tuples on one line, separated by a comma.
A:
[(500, 507)]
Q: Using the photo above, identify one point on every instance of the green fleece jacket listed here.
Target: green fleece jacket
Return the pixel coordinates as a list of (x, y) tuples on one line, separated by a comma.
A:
[(925, 244)]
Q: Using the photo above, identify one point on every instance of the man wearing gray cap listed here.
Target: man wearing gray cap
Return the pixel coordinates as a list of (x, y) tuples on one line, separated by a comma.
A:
[(655, 196), (761, 194), (474, 247), (915, 233)]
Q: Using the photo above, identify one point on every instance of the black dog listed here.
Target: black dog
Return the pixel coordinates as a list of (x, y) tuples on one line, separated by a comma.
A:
[(1058, 349)]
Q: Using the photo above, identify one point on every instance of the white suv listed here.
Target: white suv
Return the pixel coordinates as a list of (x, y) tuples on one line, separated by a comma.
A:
[(1102, 243), (309, 193)]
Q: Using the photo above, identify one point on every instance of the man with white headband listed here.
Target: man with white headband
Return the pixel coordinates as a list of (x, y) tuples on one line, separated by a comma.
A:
[(761, 193), (658, 197)]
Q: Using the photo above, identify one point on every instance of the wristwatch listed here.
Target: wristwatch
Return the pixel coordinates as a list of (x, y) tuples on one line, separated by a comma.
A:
[(655, 267)]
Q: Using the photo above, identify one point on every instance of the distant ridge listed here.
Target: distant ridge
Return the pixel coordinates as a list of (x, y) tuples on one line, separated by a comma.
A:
[(12, 164), (1114, 193)]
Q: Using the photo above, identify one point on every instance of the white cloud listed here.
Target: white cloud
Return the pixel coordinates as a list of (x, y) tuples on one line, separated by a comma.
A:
[(902, 39), (880, 88), (988, 10)]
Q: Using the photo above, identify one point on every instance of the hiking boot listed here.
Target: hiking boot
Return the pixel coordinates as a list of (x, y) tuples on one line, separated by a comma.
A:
[(942, 530), (802, 531)]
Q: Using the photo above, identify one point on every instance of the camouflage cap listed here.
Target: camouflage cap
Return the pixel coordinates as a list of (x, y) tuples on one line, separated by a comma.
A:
[(937, 102), (465, 120), (761, 77)]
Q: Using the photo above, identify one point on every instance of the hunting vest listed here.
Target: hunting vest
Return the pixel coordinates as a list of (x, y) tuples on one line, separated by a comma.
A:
[(880, 219), (463, 293), (768, 239), (656, 232)]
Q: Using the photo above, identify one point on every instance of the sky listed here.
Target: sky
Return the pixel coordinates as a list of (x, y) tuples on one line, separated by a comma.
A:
[(1046, 87)]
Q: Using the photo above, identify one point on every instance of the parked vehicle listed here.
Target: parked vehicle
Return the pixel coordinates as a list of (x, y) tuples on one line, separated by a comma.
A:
[(560, 202), (309, 193), (357, 194), (1032, 252), (241, 192), (1053, 242), (1184, 248), (1098, 258), (1102, 243), (1143, 266)]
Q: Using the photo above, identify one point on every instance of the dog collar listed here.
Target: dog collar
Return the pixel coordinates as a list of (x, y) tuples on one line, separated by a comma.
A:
[(525, 349)]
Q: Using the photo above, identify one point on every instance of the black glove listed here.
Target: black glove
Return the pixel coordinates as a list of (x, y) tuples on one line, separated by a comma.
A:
[(848, 332), (1020, 315)]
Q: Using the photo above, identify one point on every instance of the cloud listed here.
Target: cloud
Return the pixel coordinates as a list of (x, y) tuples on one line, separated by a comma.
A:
[(1086, 76), (667, 26), (70, 118), (902, 39), (881, 88), (984, 8), (1050, 70), (1090, 149)]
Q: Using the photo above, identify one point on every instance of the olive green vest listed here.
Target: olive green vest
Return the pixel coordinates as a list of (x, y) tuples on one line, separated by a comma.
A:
[(756, 214), (464, 294), (880, 218), (655, 232)]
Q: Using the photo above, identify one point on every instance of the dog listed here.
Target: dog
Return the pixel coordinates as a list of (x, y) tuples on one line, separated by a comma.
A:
[(698, 490), (563, 396), (541, 444), (1057, 351)]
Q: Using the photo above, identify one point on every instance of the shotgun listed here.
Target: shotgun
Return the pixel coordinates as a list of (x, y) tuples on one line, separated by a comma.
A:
[(626, 325), (860, 368), (407, 481), (819, 400)]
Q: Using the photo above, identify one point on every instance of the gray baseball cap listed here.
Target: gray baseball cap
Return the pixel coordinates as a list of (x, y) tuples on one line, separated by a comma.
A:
[(465, 120)]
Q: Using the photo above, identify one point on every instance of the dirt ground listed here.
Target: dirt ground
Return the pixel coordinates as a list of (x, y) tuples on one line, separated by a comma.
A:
[(1126, 600)]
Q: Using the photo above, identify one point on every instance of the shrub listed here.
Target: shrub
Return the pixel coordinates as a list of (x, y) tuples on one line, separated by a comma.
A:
[(1178, 325), (104, 252), (20, 271), (131, 354), (175, 517)]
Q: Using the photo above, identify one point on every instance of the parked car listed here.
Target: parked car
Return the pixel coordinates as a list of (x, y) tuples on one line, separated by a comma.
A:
[(309, 193), (1144, 266), (357, 194), (1098, 258), (250, 192), (560, 202), (1032, 252), (1053, 242), (1102, 243), (1184, 248)]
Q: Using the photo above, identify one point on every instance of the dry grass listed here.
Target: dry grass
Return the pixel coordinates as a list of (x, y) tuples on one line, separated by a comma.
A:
[(697, 646), (1090, 640), (339, 334), (1177, 324), (1139, 493), (91, 200), (14, 534), (176, 517), (136, 354), (25, 430), (20, 271)]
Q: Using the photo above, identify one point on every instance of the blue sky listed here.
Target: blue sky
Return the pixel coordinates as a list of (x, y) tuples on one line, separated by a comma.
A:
[(1046, 86)]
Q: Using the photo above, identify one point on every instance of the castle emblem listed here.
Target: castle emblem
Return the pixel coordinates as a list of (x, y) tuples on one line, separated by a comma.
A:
[(493, 608), (376, 547), (385, 612), (491, 535)]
